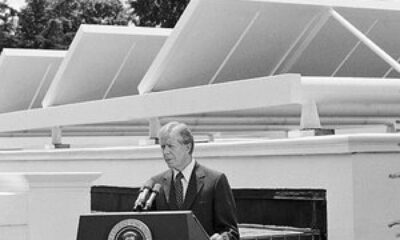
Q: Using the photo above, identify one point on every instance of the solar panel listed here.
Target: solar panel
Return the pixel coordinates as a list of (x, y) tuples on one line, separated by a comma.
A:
[(336, 52), (105, 62), (25, 75), (227, 47), (226, 40)]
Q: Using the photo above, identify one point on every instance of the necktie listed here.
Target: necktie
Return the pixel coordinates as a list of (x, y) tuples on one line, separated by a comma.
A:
[(179, 189)]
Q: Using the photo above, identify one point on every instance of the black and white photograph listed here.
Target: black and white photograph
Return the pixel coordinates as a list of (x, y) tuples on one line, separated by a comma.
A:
[(199, 119)]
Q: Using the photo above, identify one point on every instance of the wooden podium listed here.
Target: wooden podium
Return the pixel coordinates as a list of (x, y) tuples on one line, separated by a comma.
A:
[(168, 225)]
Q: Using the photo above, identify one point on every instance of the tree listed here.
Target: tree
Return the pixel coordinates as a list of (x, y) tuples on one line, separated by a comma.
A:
[(108, 12), (8, 26), (53, 37), (52, 24), (157, 13), (33, 20)]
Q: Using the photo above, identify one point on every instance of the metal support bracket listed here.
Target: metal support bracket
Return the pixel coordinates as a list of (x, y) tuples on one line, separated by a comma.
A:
[(154, 127), (56, 136), (310, 124), (309, 115), (363, 38)]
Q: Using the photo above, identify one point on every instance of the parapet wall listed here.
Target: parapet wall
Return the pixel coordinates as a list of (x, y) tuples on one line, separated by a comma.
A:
[(354, 170)]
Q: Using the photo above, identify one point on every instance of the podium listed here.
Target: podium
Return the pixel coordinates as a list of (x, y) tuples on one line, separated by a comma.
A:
[(166, 225)]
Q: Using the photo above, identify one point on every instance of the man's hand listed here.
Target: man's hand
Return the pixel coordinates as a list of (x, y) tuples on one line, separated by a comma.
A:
[(217, 236)]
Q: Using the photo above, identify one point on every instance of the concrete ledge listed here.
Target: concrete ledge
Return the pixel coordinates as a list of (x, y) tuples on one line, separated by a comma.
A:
[(340, 144)]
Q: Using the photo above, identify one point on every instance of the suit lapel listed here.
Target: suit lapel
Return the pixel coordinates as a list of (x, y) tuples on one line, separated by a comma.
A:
[(195, 185), (167, 185)]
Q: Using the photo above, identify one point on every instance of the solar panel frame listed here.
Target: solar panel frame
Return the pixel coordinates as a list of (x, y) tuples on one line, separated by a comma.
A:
[(228, 40), (25, 75), (104, 62)]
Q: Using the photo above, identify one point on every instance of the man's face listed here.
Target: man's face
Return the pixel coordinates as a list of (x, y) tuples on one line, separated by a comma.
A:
[(175, 153)]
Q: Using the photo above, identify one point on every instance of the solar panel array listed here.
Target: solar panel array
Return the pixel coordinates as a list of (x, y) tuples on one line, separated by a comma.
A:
[(141, 70)]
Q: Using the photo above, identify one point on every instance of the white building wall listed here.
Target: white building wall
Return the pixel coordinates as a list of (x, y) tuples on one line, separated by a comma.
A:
[(361, 198)]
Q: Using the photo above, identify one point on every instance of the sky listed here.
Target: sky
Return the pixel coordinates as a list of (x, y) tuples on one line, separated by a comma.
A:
[(17, 4)]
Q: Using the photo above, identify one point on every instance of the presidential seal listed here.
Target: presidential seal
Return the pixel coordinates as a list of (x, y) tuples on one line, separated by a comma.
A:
[(130, 229)]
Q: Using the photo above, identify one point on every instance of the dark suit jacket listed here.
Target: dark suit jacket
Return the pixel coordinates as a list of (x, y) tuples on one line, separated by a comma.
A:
[(209, 196)]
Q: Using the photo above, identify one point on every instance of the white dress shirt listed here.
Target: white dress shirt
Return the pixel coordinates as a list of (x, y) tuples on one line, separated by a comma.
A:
[(187, 173)]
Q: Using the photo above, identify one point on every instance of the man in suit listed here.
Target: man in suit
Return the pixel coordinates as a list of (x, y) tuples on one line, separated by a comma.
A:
[(187, 185)]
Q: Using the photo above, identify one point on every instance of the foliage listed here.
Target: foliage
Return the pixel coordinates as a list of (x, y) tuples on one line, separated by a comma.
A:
[(157, 13), (65, 16), (104, 12), (52, 24), (7, 26), (33, 20)]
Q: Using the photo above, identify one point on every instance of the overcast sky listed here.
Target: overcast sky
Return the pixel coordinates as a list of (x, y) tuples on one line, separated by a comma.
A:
[(15, 3)]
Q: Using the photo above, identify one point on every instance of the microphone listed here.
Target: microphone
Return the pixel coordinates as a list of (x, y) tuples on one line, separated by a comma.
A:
[(155, 191), (144, 192)]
